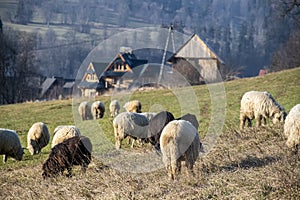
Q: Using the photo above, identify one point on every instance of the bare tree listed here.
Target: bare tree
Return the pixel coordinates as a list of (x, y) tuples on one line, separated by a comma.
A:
[(288, 55), (17, 66)]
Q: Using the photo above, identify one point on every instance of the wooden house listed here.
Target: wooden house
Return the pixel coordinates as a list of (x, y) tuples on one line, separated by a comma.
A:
[(100, 76), (197, 61), (56, 88), (51, 88)]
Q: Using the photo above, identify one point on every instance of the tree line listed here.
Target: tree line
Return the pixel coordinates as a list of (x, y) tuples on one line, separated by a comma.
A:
[(25, 63)]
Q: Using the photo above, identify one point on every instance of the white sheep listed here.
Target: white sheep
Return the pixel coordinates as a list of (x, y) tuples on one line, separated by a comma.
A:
[(292, 128), (130, 124), (84, 110), (149, 116), (97, 110), (133, 106), (260, 106), (179, 141), (62, 133), (114, 108), (10, 145), (38, 137)]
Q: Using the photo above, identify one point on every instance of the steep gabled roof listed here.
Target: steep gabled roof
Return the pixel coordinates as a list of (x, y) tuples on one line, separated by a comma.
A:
[(195, 47), (98, 67), (46, 85), (127, 58)]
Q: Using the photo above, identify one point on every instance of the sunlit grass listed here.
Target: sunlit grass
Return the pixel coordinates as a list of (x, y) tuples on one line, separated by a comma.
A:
[(234, 168)]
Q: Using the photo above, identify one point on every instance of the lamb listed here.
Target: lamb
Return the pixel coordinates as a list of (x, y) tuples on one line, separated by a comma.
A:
[(130, 124), (156, 125), (97, 110), (10, 145), (73, 151), (84, 110), (260, 105), (38, 137), (62, 133), (114, 108), (179, 141), (292, 128), (133, 106)]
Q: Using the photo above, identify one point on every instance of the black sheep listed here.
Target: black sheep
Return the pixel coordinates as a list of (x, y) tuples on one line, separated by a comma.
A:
[(156, 125), (191, 118), (73, 151)]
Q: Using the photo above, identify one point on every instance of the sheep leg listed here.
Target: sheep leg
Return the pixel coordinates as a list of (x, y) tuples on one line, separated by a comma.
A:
[(174, 171), (5, 158), (189, 166), (117, 138), (133, 140), (170, 173), (258, 120), (264, 121), (118, 143), (242, 121), (249, 122)]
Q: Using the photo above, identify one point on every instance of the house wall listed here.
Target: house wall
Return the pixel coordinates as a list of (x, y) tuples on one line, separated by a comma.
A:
[(208, 70)]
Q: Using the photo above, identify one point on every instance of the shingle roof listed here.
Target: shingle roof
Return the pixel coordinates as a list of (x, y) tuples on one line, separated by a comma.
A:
[(195, 47), (69, 84), (46, 85)]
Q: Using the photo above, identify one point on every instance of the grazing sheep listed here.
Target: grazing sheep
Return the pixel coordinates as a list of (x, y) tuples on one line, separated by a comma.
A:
[(73, 151), (10, 145), (179, 141), (130, 124), (149, 116), (84, 110), (61, 133), (97, 110), (38, 137), (260, 105), (114, 108), (156, 125), (292, 128), (190, 118), (133, 106)]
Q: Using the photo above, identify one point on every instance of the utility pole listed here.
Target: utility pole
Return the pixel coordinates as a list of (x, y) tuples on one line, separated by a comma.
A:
[(165, 53)]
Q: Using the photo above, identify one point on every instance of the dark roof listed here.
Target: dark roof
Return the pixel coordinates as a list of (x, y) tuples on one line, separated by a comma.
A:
[(46, 85), (128, 58), (99, 68), (69, 84)]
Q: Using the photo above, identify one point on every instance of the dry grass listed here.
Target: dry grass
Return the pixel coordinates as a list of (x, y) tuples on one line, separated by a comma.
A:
[(252, 164)]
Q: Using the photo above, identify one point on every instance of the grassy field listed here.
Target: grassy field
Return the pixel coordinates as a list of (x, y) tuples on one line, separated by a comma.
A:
[(249, 164)]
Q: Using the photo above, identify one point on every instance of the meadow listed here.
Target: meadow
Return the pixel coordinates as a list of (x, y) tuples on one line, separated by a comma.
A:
[(249, 164)]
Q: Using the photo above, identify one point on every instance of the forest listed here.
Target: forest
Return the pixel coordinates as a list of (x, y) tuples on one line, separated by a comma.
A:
[(52, 38)]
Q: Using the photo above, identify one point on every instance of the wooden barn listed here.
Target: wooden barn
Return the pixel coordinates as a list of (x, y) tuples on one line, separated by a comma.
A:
[(197, 61), (100, 76), (56, 88)]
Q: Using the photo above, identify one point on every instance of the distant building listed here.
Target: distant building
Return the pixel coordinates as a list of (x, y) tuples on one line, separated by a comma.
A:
[(56, 88), (199, 61), (102, 76)]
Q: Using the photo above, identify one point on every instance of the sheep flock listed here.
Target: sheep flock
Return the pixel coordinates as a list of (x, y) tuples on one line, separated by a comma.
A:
[(175, 139)]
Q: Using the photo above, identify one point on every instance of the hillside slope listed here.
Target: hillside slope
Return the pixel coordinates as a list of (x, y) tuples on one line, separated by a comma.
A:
[(249, 164)]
